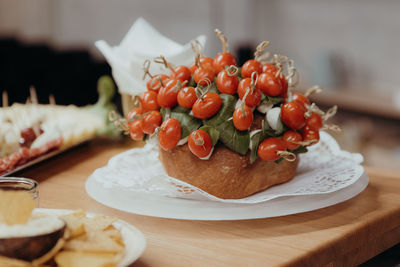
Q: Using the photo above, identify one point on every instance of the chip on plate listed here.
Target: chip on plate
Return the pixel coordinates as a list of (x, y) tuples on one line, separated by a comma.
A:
[(83, 259)]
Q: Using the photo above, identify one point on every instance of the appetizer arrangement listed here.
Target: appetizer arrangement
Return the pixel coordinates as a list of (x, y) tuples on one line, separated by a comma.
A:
[(31, 131), (40, 239), (229, 130)]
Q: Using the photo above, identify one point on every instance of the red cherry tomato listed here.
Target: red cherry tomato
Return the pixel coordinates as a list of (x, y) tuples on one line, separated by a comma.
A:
[(170, 134), (271, 68), (167, 96), (291, 136), (269, 148), (249, 67), (151, 121), (207, 106), (310, 133), (314, 121), (200, 143), (154, 83), (202, 73), (292, 114), (186, 97), (149, 101), (227, 84), (253, 97), (301, 99), (181, 73), (193, 68), (206, 61), (132, 114), (223, 59), (203, 61), (242, 120), (269, 84), (136, 130)]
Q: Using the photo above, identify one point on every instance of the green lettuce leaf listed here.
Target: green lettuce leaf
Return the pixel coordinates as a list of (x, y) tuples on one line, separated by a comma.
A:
[(212, 132), (234, 139)]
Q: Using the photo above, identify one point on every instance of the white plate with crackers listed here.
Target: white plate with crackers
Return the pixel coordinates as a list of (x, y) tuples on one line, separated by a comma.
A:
[(77, 238), (133, 239)]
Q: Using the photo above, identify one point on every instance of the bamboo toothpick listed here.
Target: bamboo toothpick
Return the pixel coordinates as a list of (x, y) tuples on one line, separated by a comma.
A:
[(5, 99), (52, 100), (33, 95)]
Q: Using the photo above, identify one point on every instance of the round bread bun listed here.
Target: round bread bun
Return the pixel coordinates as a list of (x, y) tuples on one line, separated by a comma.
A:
[(226, 174)]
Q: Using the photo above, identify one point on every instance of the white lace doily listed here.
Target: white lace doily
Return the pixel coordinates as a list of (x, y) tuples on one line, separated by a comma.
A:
[(324, 169)]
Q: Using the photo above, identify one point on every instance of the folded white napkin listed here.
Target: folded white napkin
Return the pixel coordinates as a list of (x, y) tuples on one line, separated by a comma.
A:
[(140, 43)]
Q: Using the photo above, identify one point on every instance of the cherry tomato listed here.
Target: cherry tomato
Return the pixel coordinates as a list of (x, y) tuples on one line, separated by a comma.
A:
[(202, 73), (203, 61), (291, 136), (154, 83), (206, 61), (301, 99), (223, 59), (149, 101), (242, 120), (271, 68), (310, 133), (269, 84), (269, 148), (170, 134), (292, 114), (249, 67), (200, 143), (167, 96), (136, 130), (227, 84), (314, 121), (207, 106), (132, 114), (193, 68), (151, 121), (253, 97), (186, 97), (181, 73)]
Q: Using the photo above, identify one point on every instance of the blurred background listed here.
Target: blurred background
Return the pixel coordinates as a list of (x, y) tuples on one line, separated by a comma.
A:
[(348, 47)]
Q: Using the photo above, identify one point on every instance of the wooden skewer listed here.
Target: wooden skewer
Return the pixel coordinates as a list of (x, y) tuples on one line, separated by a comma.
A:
[(52, 100), (35, 102), (5, 99), (33, 95)]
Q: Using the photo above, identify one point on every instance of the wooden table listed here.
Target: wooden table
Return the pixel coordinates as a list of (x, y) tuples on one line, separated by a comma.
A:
[(346, 234)]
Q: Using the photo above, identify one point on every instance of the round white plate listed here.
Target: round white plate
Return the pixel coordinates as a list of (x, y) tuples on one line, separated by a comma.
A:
[(134, 240), (178, 208)]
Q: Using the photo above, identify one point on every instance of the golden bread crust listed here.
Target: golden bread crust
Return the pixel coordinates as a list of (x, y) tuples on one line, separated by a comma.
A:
[(226, 174)]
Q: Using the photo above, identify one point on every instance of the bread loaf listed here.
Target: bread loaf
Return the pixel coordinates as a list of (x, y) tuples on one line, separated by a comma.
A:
[(226, 174)]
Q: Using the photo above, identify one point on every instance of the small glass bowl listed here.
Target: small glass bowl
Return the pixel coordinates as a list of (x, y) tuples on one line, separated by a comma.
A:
[(20, 183)]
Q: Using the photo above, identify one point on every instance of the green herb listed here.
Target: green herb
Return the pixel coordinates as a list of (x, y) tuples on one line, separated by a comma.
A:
[(180, 109), (212, 88), (191, 82), (188, 123), (278, 160), (299, 150), (212, 132), (234, 139), (265, 99), (164, 112)]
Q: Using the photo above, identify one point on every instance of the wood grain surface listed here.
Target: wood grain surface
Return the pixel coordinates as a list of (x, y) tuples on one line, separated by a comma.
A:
[(345, 234)]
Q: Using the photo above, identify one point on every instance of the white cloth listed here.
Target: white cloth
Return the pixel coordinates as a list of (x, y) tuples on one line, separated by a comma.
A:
[(140, 43)]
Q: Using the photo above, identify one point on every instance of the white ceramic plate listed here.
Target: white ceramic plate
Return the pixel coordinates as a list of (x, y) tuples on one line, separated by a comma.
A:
[(134, 240), (178, 208)]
